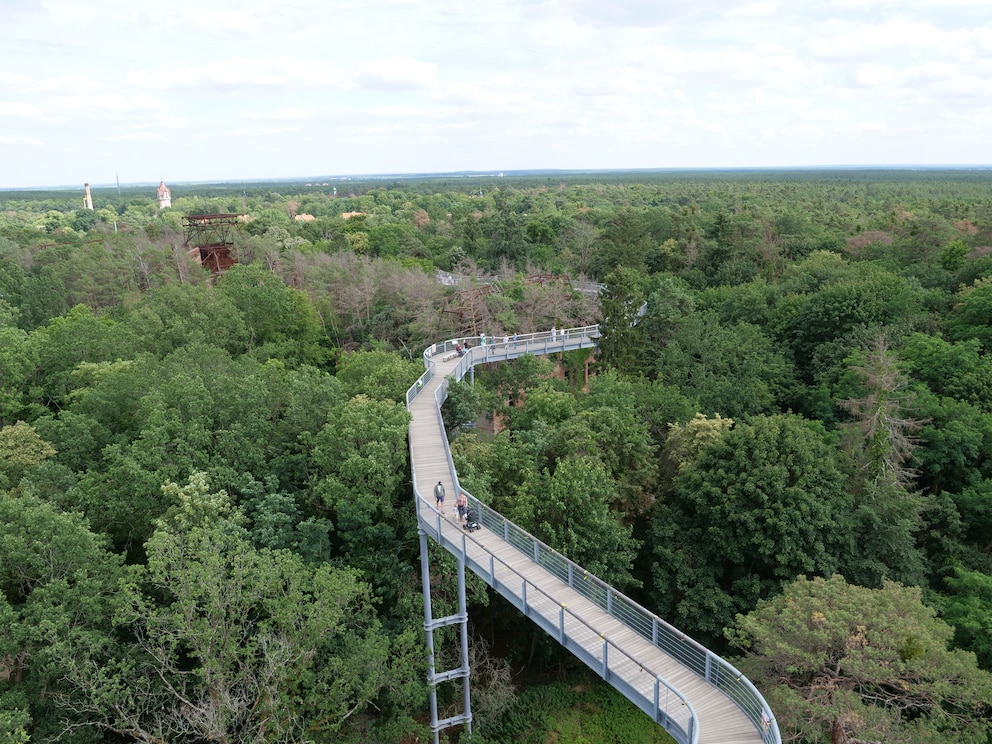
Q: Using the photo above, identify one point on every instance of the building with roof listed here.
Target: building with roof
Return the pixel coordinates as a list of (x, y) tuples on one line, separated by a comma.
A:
[(164, 196)]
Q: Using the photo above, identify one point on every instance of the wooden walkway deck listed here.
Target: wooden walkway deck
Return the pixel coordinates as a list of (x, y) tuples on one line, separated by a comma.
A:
[(690, 691)]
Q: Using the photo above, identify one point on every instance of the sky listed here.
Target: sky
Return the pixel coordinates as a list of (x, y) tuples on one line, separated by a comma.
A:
[(147, 90)]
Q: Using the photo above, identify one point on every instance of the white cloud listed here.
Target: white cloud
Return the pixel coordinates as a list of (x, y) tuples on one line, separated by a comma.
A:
[(645, 13), (259, 133), (633, 83), (163, 78), (902, 6), (224, 21), (878, 75), (753, 10), (498, 98), (147, 102), (874, 126), (397, 73), (825, 115), (843, 39), (91, 104), (726, 109), (720, 66), (284, 114), (19, 141), (16, 108), (21, 83), (70, 84), (234, 73)]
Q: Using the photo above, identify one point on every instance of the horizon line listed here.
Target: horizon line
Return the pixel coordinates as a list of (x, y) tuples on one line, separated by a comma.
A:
[(503, 173)]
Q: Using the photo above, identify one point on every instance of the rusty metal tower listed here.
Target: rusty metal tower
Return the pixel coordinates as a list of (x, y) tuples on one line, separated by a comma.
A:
[(210, 240)]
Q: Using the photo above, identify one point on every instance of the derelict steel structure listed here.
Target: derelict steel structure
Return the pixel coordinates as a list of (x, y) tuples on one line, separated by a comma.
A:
[(210, 239)]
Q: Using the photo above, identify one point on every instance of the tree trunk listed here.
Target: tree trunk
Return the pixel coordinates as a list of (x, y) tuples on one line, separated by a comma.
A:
[(837, 733)]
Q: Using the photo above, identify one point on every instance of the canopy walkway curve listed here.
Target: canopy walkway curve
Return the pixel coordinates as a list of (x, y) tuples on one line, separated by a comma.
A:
[(698, 697)]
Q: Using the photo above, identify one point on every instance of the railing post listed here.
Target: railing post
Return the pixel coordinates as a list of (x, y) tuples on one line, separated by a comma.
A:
[(657, 699), (561, 624), (606, 663)]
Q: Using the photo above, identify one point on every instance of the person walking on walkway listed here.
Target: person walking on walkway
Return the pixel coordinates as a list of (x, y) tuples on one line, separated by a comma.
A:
[(439, 496), (461, 504)]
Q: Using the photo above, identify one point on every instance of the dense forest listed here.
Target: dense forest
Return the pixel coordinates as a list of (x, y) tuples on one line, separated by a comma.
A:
[(783, 446)]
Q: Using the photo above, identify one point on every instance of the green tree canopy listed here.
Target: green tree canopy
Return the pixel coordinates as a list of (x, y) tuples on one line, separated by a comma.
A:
[(275, 315), (359, 467), (842, 663), (957, 370), (971, 316), (572, 514), (381, 375), (732, 370), (173, 316), (17, 360), (56, 577), (237, 644), (968, 607), (764, 502), (20, 449)]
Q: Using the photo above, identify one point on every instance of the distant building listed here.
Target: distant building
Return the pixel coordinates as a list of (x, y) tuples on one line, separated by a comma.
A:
[(164, 196), (88, 198), (349, 215)]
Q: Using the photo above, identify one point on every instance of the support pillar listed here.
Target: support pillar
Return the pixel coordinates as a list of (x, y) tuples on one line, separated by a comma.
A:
[(425, 575), (463, 672)]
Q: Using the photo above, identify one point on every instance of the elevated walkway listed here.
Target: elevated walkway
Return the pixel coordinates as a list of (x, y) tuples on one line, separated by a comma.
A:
[(694, 694)]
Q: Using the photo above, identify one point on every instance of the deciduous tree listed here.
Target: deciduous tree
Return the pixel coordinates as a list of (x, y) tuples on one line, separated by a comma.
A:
[(765, 502), (572, 514), (236, 644), (57, 580), (968, 608)]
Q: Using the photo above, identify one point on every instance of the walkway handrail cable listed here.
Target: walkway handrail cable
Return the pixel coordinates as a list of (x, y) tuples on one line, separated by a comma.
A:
[(663, 706), (688, 652)]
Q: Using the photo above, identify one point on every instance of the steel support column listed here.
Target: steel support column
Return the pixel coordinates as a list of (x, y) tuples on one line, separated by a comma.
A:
[(464, 671), (425, 575)]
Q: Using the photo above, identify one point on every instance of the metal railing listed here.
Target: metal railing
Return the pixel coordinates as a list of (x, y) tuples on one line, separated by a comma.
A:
[(676, 644), (654, 695), (689, 653)]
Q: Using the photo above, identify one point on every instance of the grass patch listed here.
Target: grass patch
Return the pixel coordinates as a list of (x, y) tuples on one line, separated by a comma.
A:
[(581, 711)]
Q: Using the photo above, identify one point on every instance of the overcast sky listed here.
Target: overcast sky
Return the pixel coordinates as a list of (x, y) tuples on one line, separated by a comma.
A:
[(93, 90)]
